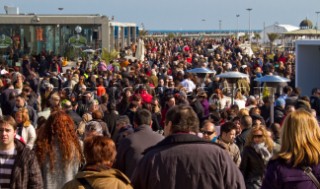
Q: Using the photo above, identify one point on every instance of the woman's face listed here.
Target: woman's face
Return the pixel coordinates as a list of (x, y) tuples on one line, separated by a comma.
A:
[(128, 93), (19, 118), (258, 137)]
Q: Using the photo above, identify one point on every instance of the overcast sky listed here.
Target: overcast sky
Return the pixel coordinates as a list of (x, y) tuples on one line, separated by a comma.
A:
[(181, 14)]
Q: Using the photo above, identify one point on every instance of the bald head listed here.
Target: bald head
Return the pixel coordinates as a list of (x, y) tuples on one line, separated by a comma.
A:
[(246, 122)]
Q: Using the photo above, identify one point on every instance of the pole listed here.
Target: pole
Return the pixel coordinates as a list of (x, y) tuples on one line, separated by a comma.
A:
[(237, 15), (232, 93), (272, 106), (249, 32), (317, 12)]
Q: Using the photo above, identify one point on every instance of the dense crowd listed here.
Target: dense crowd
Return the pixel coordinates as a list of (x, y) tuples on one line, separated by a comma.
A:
[(148, 122)]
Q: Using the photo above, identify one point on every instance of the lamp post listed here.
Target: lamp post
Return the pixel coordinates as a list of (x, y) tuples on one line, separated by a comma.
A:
[(220, 24), (237, 15), (249, 10), (317, 12), (272, 82)]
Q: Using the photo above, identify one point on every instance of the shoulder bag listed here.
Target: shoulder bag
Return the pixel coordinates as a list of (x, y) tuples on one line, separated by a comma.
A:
[(308, 171), (85, 183)]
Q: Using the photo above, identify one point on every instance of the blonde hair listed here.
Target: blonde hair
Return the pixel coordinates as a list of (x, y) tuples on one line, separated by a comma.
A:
[(243, 112), (239, 95), (266, 137), (300, 139)]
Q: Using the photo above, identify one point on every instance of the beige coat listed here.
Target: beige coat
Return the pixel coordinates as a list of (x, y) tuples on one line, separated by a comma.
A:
[(233, 150), (106, 179)]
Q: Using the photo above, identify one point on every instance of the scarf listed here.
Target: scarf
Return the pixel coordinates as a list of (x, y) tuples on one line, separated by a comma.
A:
[(263, 151)]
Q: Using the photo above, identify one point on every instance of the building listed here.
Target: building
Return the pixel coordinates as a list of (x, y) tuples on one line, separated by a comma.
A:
[(62, 34), (305, 32), (276, 28)]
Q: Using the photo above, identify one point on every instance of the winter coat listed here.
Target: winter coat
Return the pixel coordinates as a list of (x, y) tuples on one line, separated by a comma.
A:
[(104, 179), (252, 167), (75, 117), (280, 175), (233, 151), (26, 172), (278, 114), (241, 139), (186, 161), (130, 148), (28, 133)]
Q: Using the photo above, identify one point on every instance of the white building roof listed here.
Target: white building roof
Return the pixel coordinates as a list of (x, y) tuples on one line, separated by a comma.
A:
[(288, 27)]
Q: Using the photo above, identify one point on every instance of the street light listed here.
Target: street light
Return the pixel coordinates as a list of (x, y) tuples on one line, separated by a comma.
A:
[(220, 22), (317, 12), (237, 15), (249, 10)]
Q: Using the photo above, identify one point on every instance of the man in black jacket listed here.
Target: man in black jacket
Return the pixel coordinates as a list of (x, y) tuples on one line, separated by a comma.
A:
[(245, 124), (183, 160), (19, 167)]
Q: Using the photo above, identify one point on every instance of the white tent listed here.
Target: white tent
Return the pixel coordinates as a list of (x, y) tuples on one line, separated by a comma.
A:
[(276, 28)]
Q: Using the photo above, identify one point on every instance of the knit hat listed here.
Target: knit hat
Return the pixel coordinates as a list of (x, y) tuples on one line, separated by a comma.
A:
[(280, 102)]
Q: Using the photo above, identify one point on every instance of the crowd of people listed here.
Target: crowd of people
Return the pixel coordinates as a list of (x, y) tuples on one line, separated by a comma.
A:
[(149, 123)]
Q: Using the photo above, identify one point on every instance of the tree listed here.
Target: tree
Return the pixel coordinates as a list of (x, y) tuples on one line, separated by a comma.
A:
[(143, 33), (109, 56), (256, 37), (272, 37), (171, 35)]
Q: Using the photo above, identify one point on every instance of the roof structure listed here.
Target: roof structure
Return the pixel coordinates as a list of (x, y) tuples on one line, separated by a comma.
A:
[(304, 32), (306, 24)]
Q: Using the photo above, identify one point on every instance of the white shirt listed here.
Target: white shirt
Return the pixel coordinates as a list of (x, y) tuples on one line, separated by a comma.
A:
[(188, 84)]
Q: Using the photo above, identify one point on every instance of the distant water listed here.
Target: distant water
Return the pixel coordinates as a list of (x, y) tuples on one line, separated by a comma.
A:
[(199, 31)]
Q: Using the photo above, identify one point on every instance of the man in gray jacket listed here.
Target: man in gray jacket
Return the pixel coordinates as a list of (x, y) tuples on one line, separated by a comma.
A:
[(130, 148), (183, 160)]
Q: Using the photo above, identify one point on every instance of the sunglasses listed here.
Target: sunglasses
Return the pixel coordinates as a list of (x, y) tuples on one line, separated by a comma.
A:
[(257, 136), (208, 132)]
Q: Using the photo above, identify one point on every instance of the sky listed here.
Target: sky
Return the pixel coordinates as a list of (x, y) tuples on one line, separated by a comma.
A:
[(181, 14)]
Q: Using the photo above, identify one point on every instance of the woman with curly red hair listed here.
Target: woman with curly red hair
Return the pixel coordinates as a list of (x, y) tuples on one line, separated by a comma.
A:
[(58, 150)]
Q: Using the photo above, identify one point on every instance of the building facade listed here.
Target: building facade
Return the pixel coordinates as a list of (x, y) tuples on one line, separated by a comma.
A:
[(62, 34)]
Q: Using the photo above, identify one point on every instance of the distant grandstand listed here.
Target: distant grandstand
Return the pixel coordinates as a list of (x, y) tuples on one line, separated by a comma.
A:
[(197, 33)]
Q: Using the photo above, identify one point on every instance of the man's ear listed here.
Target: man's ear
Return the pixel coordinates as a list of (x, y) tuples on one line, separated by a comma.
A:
[(151, 123)]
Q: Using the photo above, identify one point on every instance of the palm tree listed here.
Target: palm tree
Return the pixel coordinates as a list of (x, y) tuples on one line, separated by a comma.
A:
[(143, 33), (257, 37), (272, 37), (171, 35), (108, 56)]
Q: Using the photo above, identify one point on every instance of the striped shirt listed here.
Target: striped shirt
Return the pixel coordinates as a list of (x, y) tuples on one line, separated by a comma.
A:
[(7, 159)]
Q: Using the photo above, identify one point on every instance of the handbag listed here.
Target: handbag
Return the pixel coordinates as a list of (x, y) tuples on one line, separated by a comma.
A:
[(85, 183), (308, 171)]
